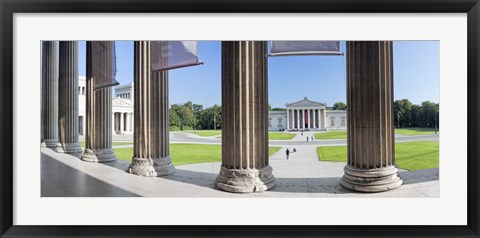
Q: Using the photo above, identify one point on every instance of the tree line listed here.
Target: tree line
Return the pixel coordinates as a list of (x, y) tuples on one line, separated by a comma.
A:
[(190, 116), (407, 114)]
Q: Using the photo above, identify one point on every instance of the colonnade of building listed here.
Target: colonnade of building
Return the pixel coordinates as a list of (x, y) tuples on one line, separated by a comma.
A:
[(245, 161), (123, 122), (306, 119)]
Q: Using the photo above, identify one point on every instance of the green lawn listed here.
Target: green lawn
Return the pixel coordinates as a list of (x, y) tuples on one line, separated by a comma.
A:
[(272, 135), (402, 131), (277, 135), (273, 149), (188, 153), (408, 155), (331, 135), (415, 131), (82, 143)]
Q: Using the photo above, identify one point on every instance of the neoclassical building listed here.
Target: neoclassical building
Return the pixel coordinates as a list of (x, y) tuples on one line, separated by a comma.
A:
[(307, 114), (314, 115), (122, 108)]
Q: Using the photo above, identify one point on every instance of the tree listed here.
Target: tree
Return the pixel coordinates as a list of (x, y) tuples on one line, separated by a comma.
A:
[(427, 114), (402, 113), (184, 114), (279, 109), (196, 110), (174, 119), (339, 106)]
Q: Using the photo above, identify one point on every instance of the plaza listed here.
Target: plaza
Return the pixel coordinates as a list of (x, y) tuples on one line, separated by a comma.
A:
[(302, 175)]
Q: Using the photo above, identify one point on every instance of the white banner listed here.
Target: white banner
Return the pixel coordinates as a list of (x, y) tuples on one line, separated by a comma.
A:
[(285, 48), (103, 64), (167, 55)]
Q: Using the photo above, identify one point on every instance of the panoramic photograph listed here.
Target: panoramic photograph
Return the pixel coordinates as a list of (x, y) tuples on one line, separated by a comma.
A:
[(253, 119)]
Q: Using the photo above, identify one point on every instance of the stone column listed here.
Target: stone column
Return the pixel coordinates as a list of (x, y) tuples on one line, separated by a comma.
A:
[(371, 158), (122, 122), (315, 118), (98, 139), (68, 99), (133, 121), (49, 95), (288, 121), (151, 149), (324, 119), (245, 165), (303, 118), (308, 118), (113, 123)]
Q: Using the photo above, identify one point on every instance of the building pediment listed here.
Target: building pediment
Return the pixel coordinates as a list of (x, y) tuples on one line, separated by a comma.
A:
[(122, 102), (305, 102)]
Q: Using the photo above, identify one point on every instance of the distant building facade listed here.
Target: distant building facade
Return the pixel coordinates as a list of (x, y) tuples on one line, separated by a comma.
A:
[(307, 114), (122, 108), (300, 115)]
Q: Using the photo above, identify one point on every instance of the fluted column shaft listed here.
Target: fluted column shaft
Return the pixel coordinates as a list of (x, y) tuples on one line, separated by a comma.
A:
[(151, 149), (324, 119), (371, 162), (68, 99), (98, 138), (245, 166), (49, 95)]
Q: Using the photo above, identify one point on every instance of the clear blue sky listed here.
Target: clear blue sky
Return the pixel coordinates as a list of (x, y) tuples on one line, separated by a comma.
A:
[(320, 78)]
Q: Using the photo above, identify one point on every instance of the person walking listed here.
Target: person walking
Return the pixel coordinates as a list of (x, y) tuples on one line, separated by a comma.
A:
[(313, 138), (287, 152), (307, 138)]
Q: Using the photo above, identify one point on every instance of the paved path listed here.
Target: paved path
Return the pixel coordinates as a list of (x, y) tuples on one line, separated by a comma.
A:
[(300, 176), (297, 140)]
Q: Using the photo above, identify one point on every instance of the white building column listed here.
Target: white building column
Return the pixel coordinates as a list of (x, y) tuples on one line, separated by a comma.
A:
[(68, 99), (113, 122), (133, 121), (315, 118), (121, 122), (49, 95), (288, 121), (324, 119)]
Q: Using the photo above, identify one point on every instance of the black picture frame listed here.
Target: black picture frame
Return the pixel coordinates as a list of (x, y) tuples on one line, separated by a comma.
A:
[(9, 7)]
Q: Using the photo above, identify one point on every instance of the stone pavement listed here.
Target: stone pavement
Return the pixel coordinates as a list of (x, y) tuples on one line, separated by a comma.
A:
[(301, 176)]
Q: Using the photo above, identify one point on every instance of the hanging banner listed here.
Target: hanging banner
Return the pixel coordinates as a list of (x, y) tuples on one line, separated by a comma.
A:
[(167, 55), (296, 48), (103, 64)]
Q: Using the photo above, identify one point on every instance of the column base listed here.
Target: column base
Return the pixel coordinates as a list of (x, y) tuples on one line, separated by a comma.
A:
[(245, 181), (371, 180), (151, 167), (99, 155), (70, 148), (50, 143)]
